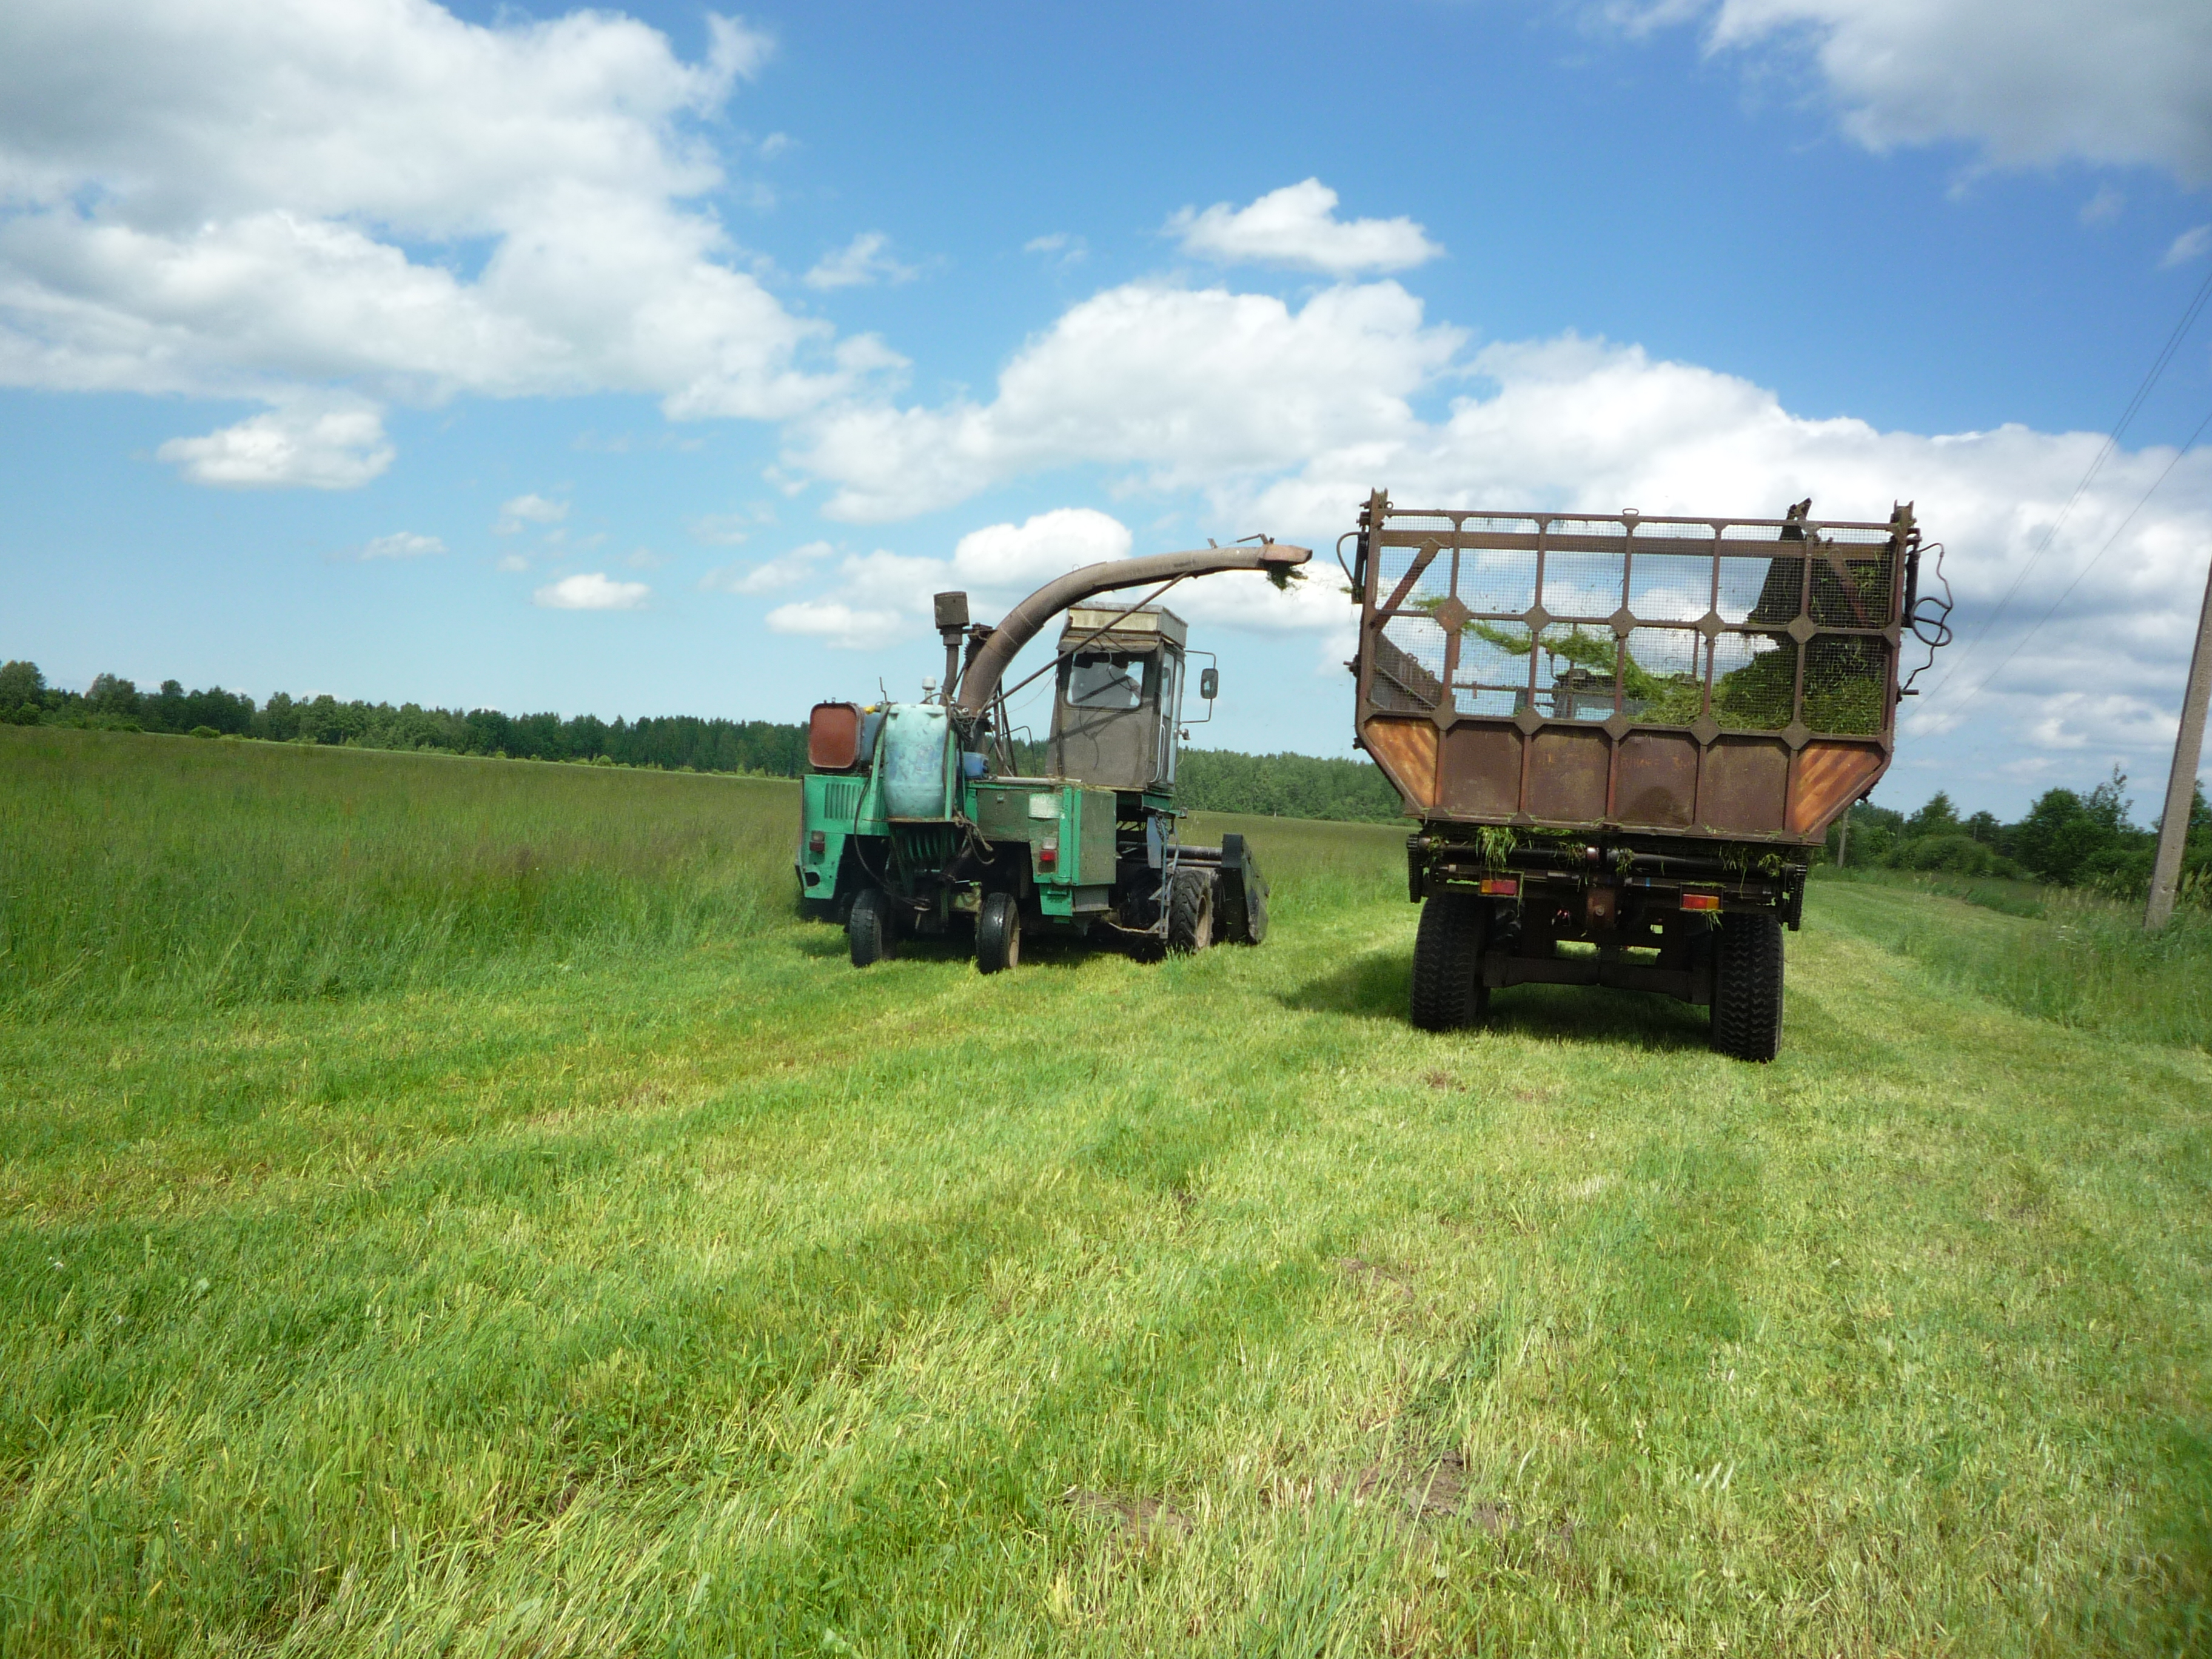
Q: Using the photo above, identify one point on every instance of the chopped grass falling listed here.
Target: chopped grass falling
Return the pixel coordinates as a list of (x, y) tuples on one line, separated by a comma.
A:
[(711, 1297)]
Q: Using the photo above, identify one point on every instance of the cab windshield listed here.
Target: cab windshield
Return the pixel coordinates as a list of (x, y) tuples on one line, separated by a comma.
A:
[(1097, 680)]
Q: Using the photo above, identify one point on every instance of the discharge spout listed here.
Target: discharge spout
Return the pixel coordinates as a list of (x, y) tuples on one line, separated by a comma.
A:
[(1025, 621)]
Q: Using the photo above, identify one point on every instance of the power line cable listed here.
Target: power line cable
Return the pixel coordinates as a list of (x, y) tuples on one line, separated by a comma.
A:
[(2111, 442), (2021, 643)]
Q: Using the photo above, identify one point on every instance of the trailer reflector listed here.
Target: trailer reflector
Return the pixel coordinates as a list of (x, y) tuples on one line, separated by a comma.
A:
[(1701, 900), (1501, 887)]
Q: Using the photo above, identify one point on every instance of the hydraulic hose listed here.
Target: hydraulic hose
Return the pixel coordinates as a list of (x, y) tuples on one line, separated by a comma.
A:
[(1024, 623)]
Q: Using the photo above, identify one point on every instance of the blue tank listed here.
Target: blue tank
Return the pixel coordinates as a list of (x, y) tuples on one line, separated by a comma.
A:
[(912, 761)]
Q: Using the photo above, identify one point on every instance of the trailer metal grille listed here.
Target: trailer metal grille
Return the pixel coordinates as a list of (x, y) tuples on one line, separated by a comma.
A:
[(1731, 675)]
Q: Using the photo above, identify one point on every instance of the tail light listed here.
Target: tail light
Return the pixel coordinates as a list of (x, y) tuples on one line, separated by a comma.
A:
[(1701, 900), (1502, 887), (1048, 854), (818, 843)]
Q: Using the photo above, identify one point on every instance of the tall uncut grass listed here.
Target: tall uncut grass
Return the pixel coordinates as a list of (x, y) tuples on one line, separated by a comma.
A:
[(138, 872), (2073, 957)]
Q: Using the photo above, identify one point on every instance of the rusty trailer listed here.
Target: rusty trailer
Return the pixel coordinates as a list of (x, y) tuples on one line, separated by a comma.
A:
[(1623, 736)]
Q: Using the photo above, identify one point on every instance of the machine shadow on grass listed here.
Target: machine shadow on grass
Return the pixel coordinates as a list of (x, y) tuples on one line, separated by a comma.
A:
[(1378, 985)]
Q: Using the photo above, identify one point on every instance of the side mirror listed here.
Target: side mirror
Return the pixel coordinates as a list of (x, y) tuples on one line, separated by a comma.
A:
[(1209, 684)]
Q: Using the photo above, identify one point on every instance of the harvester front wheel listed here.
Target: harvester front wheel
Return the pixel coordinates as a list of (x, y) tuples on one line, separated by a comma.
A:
[(1448, 988), (1190, 912), (869, 929), (1747, 985), (998, 933)]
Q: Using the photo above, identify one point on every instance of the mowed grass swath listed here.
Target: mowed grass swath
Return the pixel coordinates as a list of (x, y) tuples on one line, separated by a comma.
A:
[(696, 1293)]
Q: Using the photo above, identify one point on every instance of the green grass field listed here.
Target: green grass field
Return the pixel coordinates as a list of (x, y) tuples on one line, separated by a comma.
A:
[(453, 1207)]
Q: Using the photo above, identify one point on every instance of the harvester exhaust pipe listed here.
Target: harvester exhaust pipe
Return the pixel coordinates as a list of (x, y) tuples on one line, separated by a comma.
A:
[(951, 624), (1025, 619)]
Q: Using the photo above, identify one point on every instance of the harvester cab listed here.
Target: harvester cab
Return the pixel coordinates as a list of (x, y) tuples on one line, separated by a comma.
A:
[(918, 819), (1118, 715)]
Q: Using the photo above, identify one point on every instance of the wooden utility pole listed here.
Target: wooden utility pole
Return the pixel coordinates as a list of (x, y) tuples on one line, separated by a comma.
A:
[(2181, 785)]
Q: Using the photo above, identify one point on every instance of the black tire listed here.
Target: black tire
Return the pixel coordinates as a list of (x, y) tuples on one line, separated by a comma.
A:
[(998, 933), (1448, 989), (1747, 985), (870, 928), (1190, 912)]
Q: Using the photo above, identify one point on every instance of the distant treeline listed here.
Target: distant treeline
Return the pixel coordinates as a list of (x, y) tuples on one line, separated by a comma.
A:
[(1286, 786), (2066, 839), (1212, 780), (674, 742)]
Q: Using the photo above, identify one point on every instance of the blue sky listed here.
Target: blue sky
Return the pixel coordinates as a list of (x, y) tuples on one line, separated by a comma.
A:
[(652, 361)]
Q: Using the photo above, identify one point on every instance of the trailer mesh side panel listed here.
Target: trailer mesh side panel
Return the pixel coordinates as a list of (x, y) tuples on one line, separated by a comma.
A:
[(1731, 676)]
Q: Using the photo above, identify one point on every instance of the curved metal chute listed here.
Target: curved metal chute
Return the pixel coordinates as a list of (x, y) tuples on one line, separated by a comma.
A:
[(980, 683)]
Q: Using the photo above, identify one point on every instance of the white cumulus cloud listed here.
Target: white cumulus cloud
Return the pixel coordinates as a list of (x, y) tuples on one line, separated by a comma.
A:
[(2191, 244), (522, 511), (881, 596), (402, 545), (834, 623), (859, 263), (2106, 206), (595, 591), (769, 575), (721, 529), (321, 443), (1061, 248), (1038, 548), (1184, 387), (2026, 81), (261, 199), (1298, 226)]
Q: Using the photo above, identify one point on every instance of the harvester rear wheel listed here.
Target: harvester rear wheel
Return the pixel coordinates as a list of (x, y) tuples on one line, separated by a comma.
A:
[(1448, 988), (1746, 1021), (870, 928), (1190, 912), (998, 933)]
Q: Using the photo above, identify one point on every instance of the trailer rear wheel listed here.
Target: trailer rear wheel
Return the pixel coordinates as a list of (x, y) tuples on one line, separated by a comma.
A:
[(1448, 988), (1190, 912), (869, 929), (1746, 1021), (998, 933)]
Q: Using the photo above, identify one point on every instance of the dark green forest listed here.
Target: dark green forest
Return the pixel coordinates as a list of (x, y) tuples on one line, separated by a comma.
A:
[(673, 743), (2066, 839)]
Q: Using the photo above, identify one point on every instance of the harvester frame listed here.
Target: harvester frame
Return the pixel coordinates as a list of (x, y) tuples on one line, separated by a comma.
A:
[(916, 819)]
